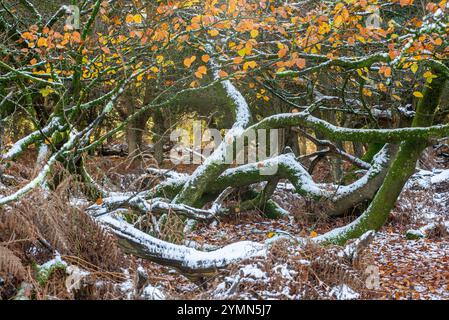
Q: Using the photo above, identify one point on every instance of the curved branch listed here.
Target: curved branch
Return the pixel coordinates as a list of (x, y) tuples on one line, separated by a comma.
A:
[(185, 259), (216, 163), (42, 174), (346, 134)]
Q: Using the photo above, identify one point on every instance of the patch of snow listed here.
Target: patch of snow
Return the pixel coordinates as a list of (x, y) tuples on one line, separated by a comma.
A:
[(152, 293), (78, 202), (56, 261), (285, 272), (441, 177), (343, 292), (252, 270)]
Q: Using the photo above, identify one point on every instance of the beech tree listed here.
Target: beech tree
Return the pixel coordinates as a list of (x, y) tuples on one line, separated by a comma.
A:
[(369, 73)]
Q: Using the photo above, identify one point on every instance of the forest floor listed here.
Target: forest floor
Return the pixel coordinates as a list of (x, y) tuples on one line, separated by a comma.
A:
[(391, 267), (407, 269)]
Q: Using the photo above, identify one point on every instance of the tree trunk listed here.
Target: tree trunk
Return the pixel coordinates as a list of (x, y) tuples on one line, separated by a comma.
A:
[(402, 168), (134, 134), (159, 138), (358, 149), (136, 128)]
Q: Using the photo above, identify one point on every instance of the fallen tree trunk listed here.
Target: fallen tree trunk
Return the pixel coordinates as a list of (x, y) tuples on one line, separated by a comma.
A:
[(187, 260)]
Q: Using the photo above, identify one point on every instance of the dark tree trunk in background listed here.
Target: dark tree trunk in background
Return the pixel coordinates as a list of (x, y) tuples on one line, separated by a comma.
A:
[(134, 135), (291, 140), (358, 149), (159, 137)]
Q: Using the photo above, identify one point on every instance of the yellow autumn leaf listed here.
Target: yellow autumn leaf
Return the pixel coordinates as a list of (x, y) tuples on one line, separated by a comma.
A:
[(270, 235), (254, 33), (427, 74), (324, 28), (249, 64), (418, 94), (338, 21), (213, 33), (414, 67), (137, 18), (42, 42), (242, 52), (313, 234), (46, 91), (361, 39)]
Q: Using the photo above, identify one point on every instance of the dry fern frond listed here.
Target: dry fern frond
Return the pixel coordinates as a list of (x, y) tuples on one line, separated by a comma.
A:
[(11, 264)]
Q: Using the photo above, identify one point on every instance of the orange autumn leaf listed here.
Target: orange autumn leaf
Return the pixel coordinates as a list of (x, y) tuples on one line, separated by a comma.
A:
[(282, 52), (28, 36), (238, 60), (222, 74), (300, 63), (205, 58), (129, 18), (202, 70), (188, 61), (76, 37), (404, 3), (106, 50)]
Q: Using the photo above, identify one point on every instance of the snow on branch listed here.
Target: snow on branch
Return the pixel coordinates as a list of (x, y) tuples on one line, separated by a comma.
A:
[(158, 206), (333, 132), (215, 164), (187, 260), (33, 137), (42, 174)]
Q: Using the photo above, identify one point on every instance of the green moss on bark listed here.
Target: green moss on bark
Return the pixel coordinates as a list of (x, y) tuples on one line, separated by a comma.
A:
[(400, 171)]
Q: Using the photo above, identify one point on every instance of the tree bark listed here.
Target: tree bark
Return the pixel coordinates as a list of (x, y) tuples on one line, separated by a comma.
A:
[(158, 138), (403, 166)]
